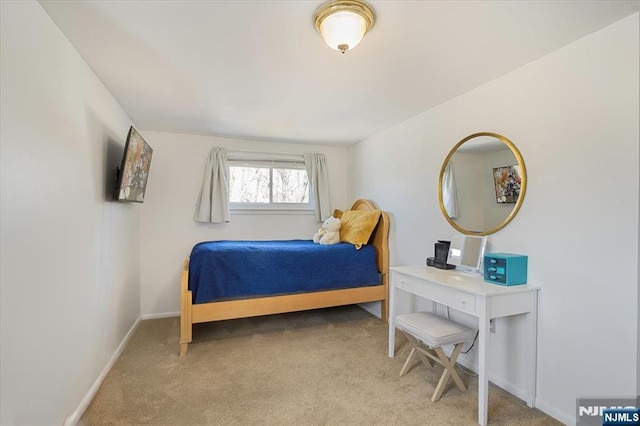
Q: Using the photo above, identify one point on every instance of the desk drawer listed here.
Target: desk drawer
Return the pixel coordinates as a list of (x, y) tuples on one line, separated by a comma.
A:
[(426, 289), (407, 283), (464, 301)]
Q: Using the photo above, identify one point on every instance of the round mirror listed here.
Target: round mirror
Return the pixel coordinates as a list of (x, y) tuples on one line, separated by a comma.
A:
[(482, 184)]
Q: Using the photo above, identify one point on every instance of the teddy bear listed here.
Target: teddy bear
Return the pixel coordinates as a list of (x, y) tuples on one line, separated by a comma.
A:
[(329, 233)]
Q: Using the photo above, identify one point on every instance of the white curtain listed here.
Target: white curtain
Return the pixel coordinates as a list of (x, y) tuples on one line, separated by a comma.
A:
[(449, 192), (318, 172), (213, 203)]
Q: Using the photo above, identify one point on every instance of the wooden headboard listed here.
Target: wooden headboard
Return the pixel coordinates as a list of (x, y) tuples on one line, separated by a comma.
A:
[(380, 237)]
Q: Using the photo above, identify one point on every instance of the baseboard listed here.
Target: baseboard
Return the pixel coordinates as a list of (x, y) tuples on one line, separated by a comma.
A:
[(161, 315), (554, 412), (496, 380), (73, 418), (520, 393), (373, 308)]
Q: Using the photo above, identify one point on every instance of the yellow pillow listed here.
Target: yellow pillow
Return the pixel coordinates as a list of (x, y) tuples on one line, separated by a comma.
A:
[(357, 226)]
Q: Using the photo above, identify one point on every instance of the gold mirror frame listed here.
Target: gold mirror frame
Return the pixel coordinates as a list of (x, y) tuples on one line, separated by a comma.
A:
[(523, 187)]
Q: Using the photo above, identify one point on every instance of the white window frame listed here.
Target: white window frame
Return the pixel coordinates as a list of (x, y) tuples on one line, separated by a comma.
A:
[(270, 161)]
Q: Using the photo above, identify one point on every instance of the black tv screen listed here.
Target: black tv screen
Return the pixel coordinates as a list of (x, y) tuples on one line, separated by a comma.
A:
[(134, 169)]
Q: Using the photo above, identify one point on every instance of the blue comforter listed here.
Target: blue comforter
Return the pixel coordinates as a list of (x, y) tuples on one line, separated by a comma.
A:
[(238, 269)]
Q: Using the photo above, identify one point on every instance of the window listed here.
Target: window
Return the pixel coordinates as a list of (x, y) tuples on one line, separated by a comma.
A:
[(269, 185)]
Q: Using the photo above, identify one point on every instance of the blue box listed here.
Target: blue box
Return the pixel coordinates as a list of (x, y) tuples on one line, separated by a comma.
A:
[(621, 416), (505, 268)]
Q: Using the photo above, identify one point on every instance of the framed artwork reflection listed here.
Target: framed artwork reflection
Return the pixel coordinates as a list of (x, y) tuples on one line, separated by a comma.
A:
[(507, 182)]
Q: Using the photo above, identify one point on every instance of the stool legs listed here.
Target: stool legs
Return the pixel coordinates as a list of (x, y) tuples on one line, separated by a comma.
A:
[(415, 350), (449, 370), (441, 358), (405, 367)]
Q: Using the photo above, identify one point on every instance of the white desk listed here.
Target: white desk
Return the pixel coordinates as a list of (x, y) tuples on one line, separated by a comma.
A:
[(469, 293)]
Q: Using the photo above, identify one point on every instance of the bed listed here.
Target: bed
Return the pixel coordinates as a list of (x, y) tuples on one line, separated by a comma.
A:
[(196, 306)]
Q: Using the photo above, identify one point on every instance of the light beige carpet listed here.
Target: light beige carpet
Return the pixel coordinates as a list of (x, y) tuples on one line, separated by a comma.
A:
[(323, 367)]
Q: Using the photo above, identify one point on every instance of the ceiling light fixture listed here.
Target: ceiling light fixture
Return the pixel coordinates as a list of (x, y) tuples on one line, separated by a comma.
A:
[(343, 23)]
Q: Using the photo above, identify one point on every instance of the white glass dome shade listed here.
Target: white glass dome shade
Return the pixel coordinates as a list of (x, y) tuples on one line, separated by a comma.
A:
[(343, 23)]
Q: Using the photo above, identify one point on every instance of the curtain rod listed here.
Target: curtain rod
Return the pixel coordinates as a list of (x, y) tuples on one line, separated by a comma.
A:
[(255, 155)]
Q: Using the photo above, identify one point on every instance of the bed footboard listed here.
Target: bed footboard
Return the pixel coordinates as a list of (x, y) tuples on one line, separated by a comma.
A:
[(245, 308), (186, 306)]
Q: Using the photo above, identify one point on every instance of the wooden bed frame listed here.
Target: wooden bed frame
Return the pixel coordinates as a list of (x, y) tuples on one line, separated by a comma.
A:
[(215, 311)]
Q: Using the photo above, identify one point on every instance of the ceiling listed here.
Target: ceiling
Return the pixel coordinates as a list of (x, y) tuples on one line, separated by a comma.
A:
[(259, 70)]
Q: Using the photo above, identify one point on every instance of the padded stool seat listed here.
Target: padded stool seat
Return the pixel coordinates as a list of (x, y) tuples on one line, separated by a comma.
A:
[(434, 331)]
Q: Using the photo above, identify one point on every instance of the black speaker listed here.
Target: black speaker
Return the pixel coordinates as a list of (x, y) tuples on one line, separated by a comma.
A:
[(442, 252)]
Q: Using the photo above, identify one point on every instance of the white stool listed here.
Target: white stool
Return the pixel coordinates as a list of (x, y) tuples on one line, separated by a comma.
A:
[(434, 332)]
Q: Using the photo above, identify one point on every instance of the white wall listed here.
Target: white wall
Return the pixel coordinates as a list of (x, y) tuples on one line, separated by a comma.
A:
[(69, 259), (573, 114), (168, 232)]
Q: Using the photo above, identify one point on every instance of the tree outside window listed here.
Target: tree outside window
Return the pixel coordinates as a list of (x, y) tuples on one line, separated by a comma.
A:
[(275, 185)]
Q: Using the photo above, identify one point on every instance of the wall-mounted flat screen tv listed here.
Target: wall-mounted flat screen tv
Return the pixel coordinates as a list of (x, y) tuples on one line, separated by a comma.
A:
[(134, 170)]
